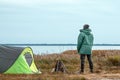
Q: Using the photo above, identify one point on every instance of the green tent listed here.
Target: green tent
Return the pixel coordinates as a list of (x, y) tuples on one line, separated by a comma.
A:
[(17, 60)]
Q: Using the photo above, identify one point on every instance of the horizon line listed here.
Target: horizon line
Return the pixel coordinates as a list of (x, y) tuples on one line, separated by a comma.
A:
[(67, 44)]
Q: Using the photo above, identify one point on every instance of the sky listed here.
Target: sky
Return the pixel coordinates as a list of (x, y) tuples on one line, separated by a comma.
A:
[(58, 21)]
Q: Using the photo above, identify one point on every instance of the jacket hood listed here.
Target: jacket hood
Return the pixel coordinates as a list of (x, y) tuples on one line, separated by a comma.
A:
[(86, 31)]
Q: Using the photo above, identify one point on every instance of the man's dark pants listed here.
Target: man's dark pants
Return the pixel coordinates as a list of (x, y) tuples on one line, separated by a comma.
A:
[(82, 57)]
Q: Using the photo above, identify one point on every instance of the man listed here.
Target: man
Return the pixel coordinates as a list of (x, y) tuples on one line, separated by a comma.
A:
[(84, 46)]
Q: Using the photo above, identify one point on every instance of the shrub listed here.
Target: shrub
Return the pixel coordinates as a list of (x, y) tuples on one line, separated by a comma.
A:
[(113, 60)]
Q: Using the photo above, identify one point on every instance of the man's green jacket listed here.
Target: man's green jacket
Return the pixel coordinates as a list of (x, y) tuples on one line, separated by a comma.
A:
[(85, 41)]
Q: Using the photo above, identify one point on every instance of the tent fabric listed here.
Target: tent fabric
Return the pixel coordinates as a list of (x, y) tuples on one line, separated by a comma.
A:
[(8, 56), (17, 60)]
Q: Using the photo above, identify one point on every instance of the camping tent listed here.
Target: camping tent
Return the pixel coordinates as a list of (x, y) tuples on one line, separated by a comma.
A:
[(17, 60)]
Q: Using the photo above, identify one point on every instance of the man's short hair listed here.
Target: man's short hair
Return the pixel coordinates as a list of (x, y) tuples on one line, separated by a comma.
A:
[(86, 26)]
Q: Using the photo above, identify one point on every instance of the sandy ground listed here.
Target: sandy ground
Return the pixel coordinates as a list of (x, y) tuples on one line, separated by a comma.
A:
[(87, 76), (94, 76)]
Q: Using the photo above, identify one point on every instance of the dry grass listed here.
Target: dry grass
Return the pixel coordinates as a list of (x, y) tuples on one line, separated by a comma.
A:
[(105, 62)]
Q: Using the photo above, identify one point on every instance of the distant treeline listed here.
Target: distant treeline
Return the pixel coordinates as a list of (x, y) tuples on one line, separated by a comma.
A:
[(56, 44)]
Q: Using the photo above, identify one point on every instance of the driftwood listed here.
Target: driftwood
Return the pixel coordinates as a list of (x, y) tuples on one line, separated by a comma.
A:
[(59, 66)]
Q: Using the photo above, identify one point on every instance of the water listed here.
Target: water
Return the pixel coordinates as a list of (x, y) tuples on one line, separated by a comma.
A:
[(51, 49), (60, 49)]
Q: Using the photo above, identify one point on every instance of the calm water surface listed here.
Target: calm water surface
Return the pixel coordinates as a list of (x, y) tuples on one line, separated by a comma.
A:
[(60, 49)]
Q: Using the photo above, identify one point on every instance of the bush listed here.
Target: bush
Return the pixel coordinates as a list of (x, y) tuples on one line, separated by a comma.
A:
[(113, 60)]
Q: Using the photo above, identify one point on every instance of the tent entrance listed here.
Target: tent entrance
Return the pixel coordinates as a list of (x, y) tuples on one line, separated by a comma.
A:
[(28, 58)]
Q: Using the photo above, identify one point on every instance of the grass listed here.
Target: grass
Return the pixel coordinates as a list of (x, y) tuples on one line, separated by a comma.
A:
[(113, 60), (105, 61)]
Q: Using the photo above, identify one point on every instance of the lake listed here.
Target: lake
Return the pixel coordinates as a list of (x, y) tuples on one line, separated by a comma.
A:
[(59, 48)]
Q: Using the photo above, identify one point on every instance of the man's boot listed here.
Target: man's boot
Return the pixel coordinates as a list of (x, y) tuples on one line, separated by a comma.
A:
[(82, 71), (91, 70)]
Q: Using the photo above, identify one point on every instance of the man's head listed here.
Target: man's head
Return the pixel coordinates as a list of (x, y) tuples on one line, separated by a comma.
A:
[(85, 26)]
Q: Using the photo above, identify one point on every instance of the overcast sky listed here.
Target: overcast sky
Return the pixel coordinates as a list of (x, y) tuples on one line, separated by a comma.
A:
[(58, 21)]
